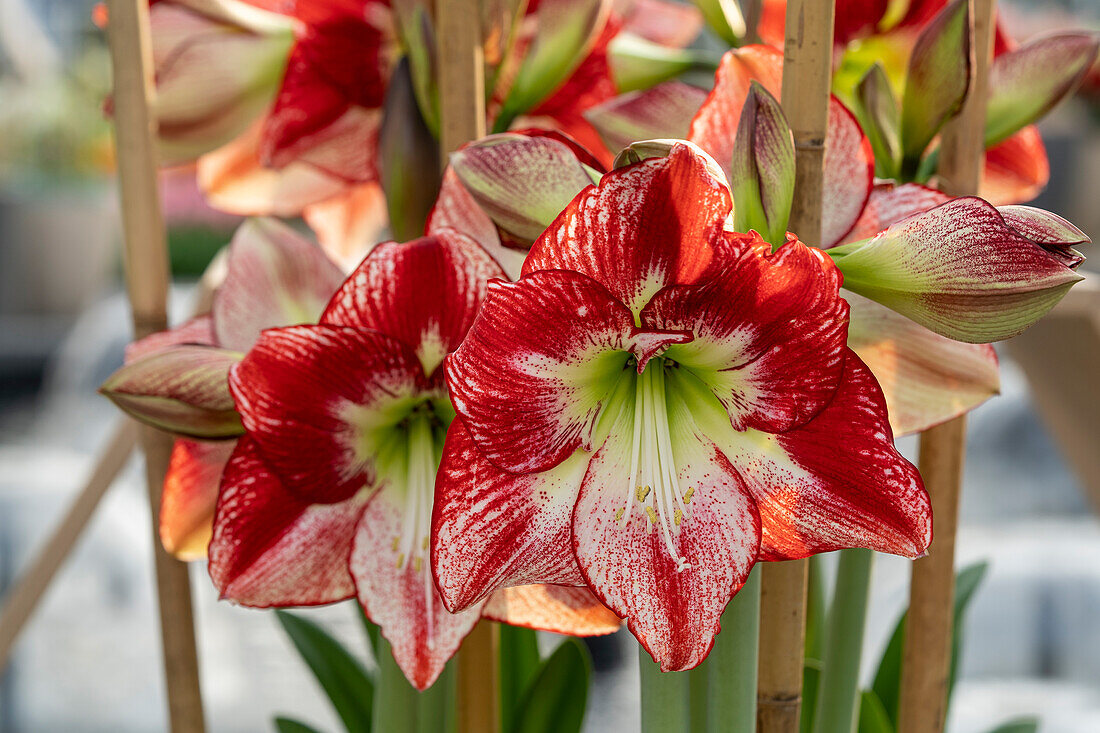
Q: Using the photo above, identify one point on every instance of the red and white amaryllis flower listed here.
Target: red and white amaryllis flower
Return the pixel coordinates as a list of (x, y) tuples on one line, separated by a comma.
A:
[(657, 404), (274, 277), (329, 494)]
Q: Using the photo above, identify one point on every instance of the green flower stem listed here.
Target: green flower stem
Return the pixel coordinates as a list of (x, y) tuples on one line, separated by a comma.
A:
[(436, 705), (837, 692), (664, 697), (396, 702), (699, 697), (731, 666)]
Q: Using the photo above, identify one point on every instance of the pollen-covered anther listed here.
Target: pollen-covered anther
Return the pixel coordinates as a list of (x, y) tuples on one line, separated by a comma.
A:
[(641, 493), (677, 517), (417, 563), (400, 560), (619, 514), (688, 494), (652, 514)]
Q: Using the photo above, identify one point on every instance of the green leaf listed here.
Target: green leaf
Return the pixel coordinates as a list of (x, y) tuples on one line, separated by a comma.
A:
[(564, 30), (1019, 725), (637, 63), (341, 676), (555, 701), (811, 679), (408, 158), (289, 725), (876, 108), (519, 663), (183, 390), (887, 681), (724, 18), (1026, 83), (937, 82), (762, 172), (872, 714)]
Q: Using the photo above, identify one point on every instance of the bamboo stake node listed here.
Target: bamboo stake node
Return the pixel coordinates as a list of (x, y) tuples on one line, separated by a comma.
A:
[(926, 658), (147, 278)]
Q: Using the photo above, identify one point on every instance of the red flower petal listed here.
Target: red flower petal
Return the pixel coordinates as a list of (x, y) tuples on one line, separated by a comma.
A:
[(403, 599), (190, 495), (769, 333), (558, 608), (492, 528), (456, 209), (325, 110), (424, 293), (662, 111), (272, 549), (673, 612), (835, 482), (926, 378), (849, 174), (849, 161), (1016, 170), (276, 277), (319, 399), (715, 124), (533, 373), (889, 204), (643, 227)]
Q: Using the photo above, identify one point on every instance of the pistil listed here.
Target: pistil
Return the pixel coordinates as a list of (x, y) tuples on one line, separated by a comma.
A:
[(412, 544), (653, 482)]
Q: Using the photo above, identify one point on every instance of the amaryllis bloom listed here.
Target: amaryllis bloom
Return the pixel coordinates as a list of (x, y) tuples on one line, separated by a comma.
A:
[(657, 404), (274, 277), (329, 494)]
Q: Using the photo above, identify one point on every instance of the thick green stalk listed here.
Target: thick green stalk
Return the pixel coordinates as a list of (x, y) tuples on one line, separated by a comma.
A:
[(396, 702), (699, 697), (664, 697), (436, 705), (837, 696), (731, 666)]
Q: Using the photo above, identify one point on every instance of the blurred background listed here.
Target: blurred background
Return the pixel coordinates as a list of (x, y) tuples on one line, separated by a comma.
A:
[(90, 660)]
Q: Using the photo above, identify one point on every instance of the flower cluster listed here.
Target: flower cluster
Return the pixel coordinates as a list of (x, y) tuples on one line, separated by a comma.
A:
[(586, 387)]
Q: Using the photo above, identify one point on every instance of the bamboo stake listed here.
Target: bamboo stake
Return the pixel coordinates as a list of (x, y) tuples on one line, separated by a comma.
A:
[(462, 118), (807, 67), (32, 584), (926, 658), (147, 276)]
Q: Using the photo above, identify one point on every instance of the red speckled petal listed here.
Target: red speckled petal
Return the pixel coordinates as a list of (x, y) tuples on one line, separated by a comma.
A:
[(424, 293), (835, 482), (673, 612), (492, 528), (769, 333), (321, 400), (403, 600), (643, 227), (272, 549)]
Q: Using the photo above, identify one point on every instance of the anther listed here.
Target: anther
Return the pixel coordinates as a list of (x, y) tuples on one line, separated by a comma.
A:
[(677, 516), (688, 494), (400, 560), (619, 514), (424, 544), (416, 564), (641, 493), (396, 541), (652, 514)]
